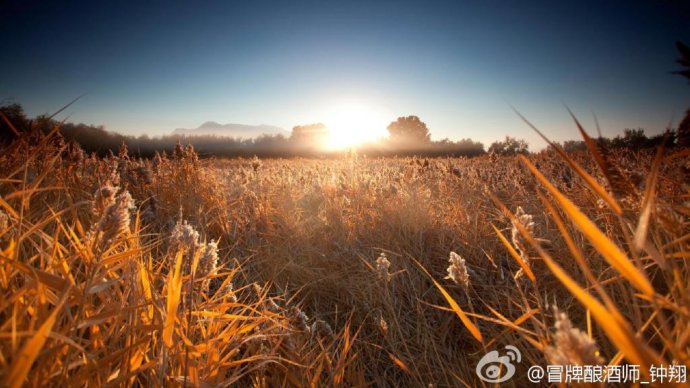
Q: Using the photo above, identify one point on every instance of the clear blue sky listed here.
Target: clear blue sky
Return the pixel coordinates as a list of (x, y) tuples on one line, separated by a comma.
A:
[(457, 65)]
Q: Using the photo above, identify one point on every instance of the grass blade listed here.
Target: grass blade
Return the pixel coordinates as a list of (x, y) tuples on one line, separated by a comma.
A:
[(22, 363), (174, 293), (610, 251), (618, 332), (591, 182), (515, 255), (640, 239), (456, 308), (615, 180)]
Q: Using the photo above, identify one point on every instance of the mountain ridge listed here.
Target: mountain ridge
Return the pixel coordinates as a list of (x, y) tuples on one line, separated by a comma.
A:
[(232, 130)]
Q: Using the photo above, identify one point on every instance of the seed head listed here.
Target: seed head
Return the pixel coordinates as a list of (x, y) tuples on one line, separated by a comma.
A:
[(229, 292), (382, 266), (383, 325), (570, 345), (102, 199), (208, 259), (157, 162), (520, 243), (184, 236), (123, 153), (321, 329), (298, 319), (457, 270), (115, 219), (178, 153)]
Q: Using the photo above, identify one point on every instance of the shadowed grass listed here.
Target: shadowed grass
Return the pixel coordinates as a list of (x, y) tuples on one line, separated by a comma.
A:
[(176, 270)]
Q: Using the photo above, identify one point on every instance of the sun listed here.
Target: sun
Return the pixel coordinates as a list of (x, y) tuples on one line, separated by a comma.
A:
[(352, 123)]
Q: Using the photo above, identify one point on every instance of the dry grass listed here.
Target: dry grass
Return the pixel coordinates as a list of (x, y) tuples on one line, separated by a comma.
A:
[(177, 270)]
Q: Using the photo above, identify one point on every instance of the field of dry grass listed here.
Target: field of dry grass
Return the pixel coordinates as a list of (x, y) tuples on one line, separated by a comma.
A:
[(350, 272)]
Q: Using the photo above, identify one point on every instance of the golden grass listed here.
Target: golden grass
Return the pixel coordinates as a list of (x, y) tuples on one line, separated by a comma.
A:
[(175, 270)]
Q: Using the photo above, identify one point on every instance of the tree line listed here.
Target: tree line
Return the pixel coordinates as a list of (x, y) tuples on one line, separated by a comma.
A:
[(407, 136)]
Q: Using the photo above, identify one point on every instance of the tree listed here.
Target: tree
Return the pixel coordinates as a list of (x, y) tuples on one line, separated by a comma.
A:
[(631, 138), (409, 130), (684, 126), (574, 145), (309, 135), (510, 146), (18, 122)]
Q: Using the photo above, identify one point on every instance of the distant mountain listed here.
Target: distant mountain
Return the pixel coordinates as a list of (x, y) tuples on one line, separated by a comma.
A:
[(232, 130)]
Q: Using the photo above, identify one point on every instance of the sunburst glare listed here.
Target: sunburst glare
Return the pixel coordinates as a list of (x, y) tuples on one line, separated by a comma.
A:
[(352, 123)]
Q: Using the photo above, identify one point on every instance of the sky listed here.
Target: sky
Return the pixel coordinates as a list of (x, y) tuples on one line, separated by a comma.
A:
[(459, 66)]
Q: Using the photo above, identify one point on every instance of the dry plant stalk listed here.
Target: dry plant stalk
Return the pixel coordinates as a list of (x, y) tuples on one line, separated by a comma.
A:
[(126, 271)]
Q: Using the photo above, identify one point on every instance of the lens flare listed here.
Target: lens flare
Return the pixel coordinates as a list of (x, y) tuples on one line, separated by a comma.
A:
[(353, 123)]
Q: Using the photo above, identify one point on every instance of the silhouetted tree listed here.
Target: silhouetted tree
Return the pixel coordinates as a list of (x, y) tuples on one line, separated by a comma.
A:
[(14, 113), (636, 139), (684, 59), (510, 146), (574, 145), (657, 140), (310, 135), (632, 138), (409, 130), (684, 126)]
